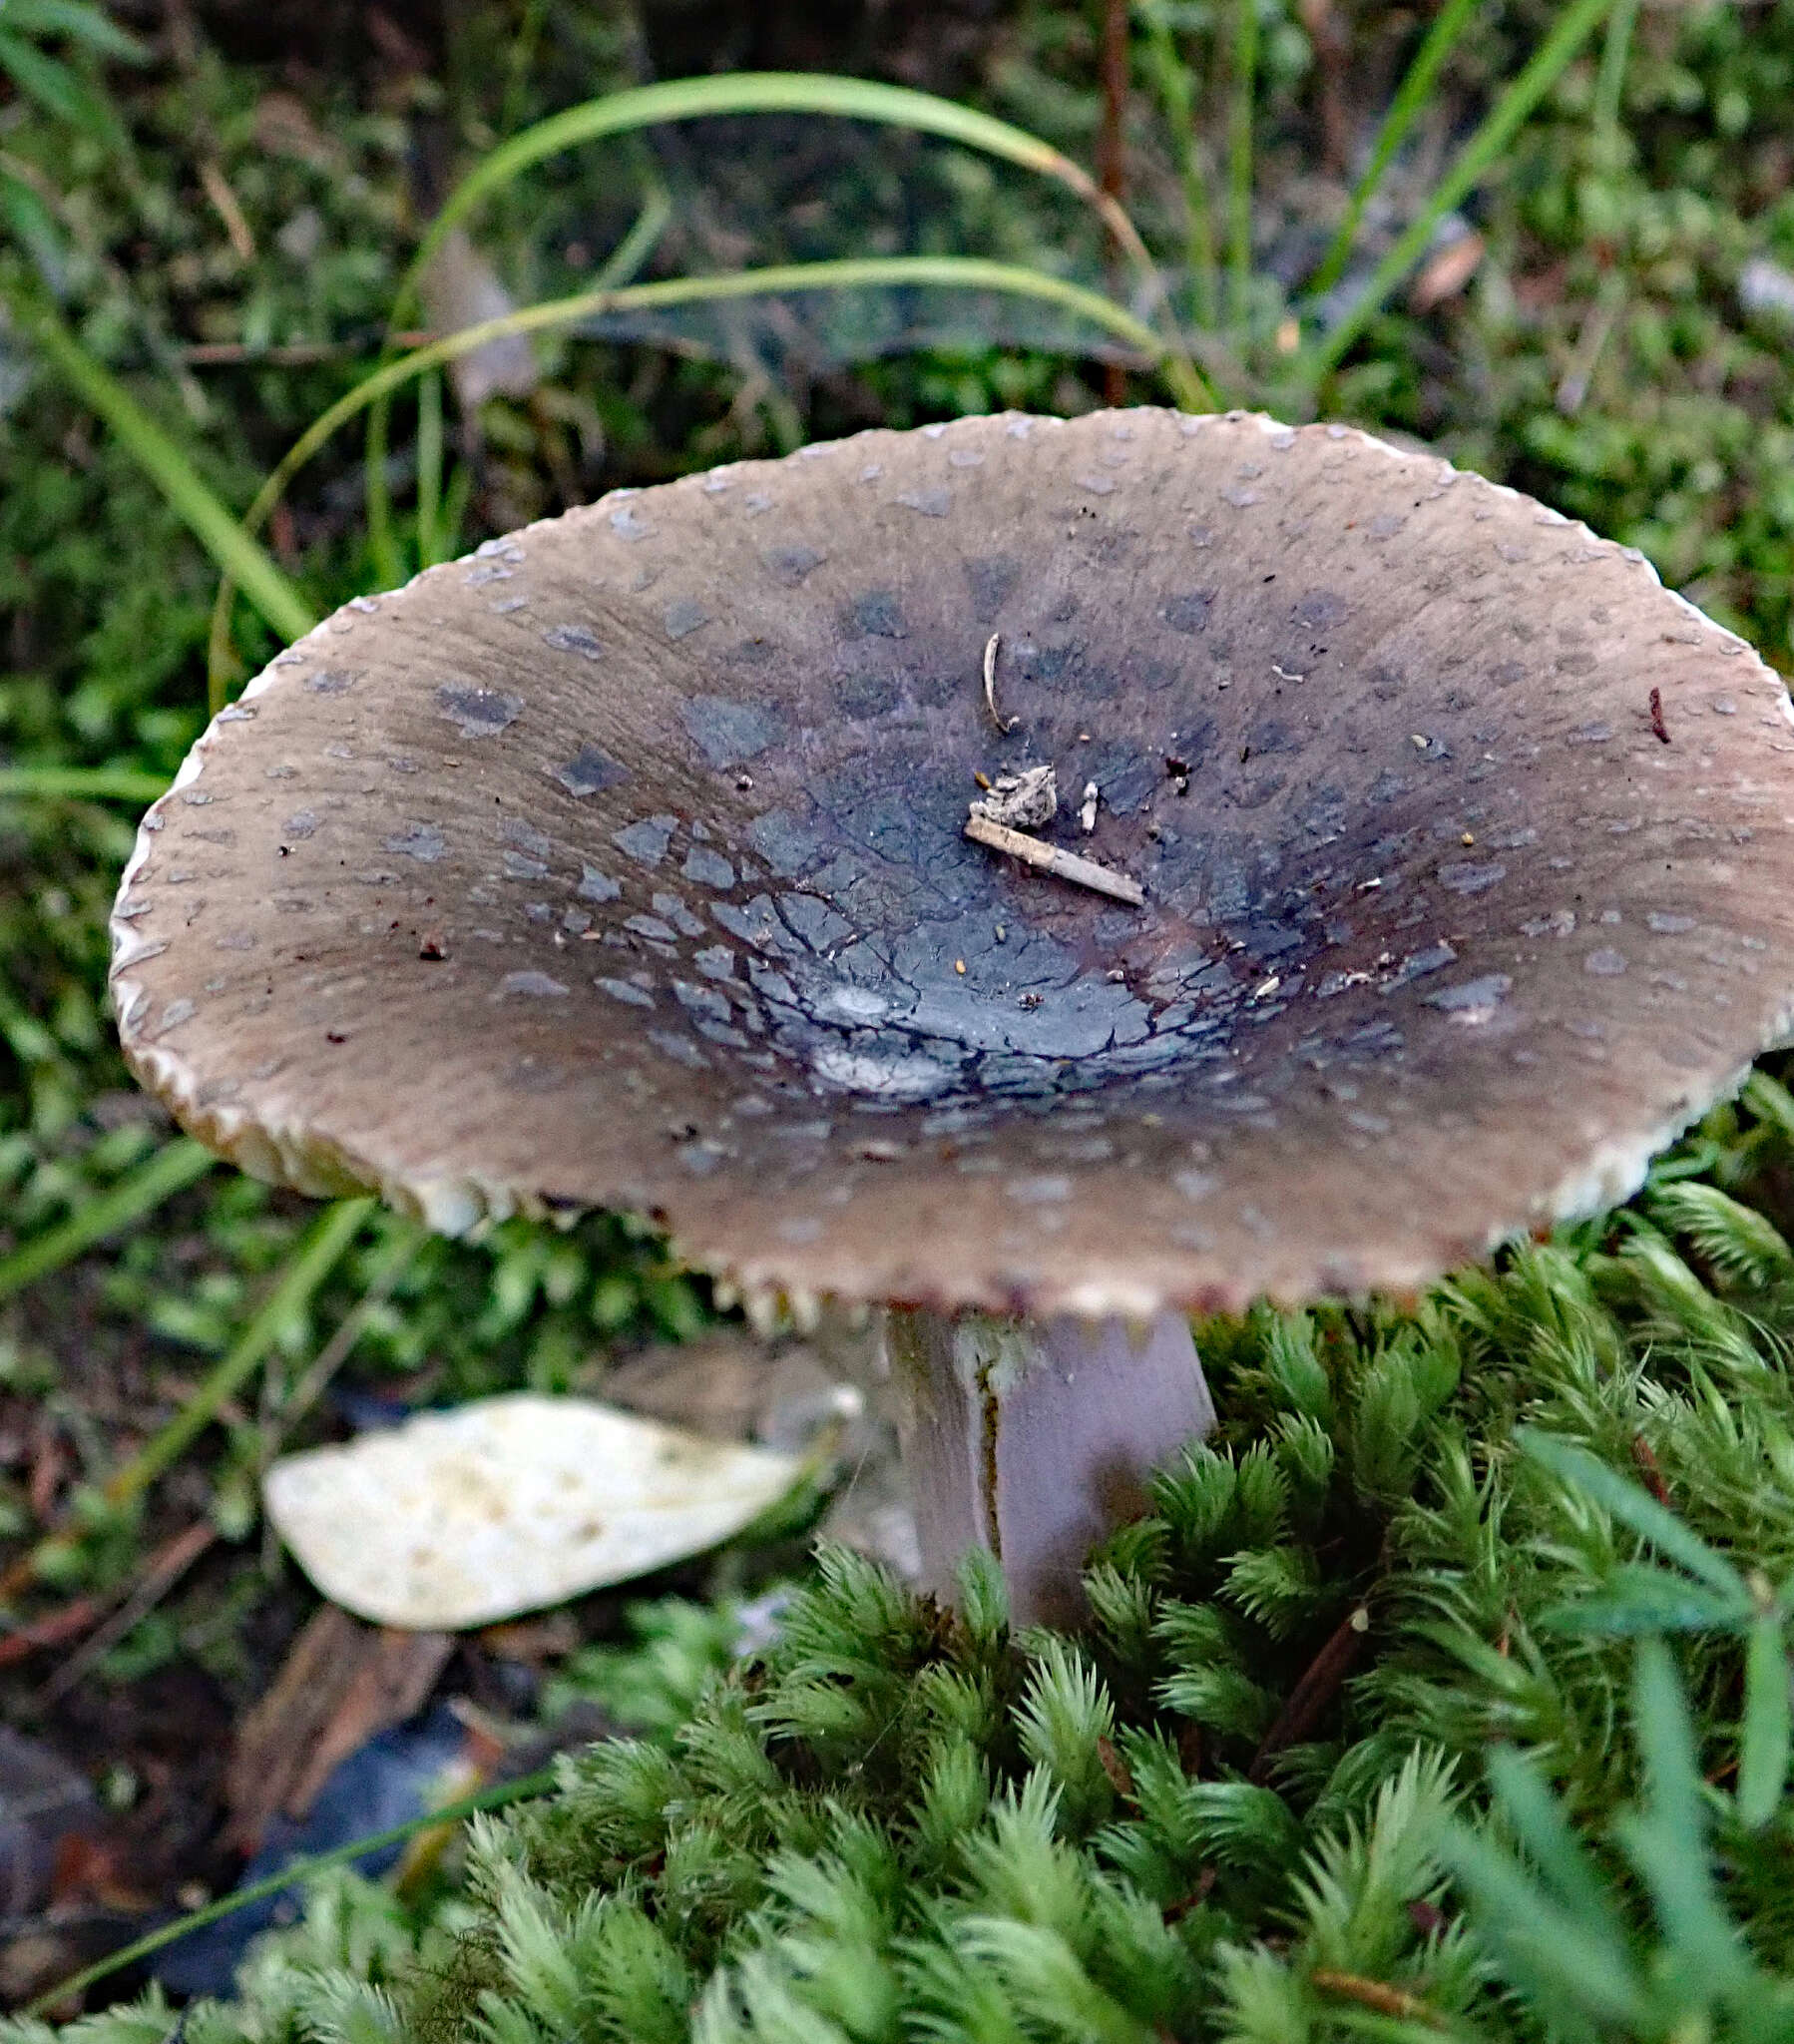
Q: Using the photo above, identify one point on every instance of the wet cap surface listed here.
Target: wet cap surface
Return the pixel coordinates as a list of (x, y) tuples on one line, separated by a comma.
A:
[(622, 864)]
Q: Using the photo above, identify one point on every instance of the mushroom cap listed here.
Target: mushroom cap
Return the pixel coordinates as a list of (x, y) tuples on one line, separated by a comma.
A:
[(623, 864)]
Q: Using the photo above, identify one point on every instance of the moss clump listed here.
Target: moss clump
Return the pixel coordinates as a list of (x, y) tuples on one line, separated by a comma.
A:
[(1253, 1801)]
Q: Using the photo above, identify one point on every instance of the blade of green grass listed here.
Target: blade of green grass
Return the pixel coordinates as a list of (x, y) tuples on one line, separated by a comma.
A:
[(780, 92), (376, 499), (1666, 1839), (80, 22), (1403, 110), (1617, 49), (963, 273), (765, 92), (228, 543), (322, 1250), (172, 1169), (1584, 1474), (1170, 80), (1243, 87), (296, 1870), (1480, 153), (429, 467), (1763, 1737), (81, 784)]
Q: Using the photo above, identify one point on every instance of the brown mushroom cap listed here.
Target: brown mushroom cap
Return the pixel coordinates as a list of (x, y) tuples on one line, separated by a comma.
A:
[(622, 864)]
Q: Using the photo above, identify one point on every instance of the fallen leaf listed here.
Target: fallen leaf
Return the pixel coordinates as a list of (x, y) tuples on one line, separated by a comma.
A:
[(339, 1686), (1447, 272), (510, 1504), (461, 288)]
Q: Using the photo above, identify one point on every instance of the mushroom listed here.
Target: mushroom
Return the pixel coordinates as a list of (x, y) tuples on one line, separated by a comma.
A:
[(624, 864)]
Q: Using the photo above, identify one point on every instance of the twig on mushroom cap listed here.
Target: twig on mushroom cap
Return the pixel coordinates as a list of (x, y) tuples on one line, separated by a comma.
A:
[(1051, 858), (1003, 724)]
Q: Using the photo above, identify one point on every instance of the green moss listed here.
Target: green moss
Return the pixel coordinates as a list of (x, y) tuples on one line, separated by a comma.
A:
[(1249, 1801)]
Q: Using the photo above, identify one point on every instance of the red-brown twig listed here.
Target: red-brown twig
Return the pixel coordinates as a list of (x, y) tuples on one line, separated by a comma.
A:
[(1645, 1459), (1377, 1995), (161, 1571), (1318, 1687)]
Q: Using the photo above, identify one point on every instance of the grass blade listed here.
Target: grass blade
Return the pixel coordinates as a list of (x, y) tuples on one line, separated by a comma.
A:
[(1498, 128), (1637, 1509), (1403, 110), (789, 92), (1763, 1737), (963, 273), (1542, 1828), (1666, 1842), (382, 544), (1617, 49), (765, 92), (1242, 88), (1560, 1960), (80, 22), (81, 784), (296, 1870), (1171, 81), (323, 1248), (1637, 1600), (171, 1170), (429, 467), (228, 543)]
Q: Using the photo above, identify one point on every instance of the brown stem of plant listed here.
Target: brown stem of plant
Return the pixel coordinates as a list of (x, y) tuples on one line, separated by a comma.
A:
[(158, 1575), (1644, 1457), (1112, 162), (1377, 1996), (1318, 1687)]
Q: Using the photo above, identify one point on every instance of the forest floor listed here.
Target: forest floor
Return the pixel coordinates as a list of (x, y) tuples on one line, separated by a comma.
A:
[(1608, 323)]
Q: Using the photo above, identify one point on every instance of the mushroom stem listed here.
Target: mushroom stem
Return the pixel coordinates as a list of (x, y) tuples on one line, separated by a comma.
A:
[(1033, 1438)]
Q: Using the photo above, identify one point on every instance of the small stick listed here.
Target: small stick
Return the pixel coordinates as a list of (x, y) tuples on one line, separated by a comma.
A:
[(162, 1572), (1656, 716), (1377, 1995), (1003, 724), (1319, 1685), (1063, 866)]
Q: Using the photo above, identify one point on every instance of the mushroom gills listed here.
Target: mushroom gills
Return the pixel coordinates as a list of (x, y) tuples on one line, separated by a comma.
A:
[(1031, 1438)]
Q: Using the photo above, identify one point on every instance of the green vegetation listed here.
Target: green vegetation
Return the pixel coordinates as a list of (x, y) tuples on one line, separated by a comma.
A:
[(1248, 1803), (896, 1824)]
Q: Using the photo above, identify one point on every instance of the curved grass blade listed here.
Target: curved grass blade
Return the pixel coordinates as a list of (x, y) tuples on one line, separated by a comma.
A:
[(964, 273), (1553, 1932), (776, 92), (1403, 110), (294, 1872), (1632, 1601), (171, 1170), (1763, 1737), (81, 784), (1498, 128), (768, 92), (1170, 82), (228, 543), (323, 1248), (80, 22), (1610, 85), (1666, 1839), (1243, 89), (1637, 1509)]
